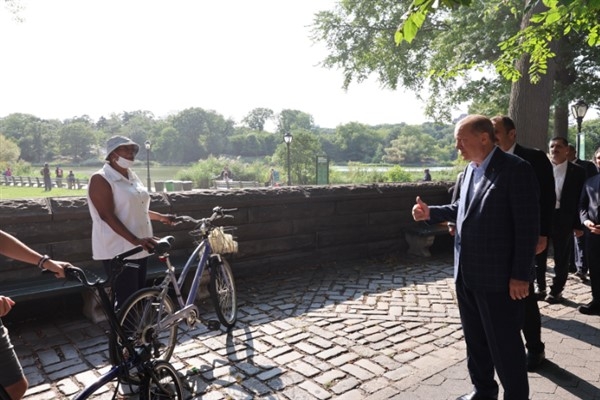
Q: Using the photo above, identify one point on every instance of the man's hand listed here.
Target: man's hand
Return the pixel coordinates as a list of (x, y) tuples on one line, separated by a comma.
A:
[(541, 244), (518, 289), (420, 211), (6, 303)]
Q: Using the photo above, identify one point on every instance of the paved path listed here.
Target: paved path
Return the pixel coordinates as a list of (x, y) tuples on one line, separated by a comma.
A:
[(364, 330)]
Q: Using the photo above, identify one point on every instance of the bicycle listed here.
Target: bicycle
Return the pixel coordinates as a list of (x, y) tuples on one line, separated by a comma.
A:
[(150, 316), (157, 379)]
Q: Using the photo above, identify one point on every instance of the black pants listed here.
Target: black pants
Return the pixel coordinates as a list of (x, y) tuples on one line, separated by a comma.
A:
[(562, 244), (129, 281), (492, 324), (593, 255), (532, 325)]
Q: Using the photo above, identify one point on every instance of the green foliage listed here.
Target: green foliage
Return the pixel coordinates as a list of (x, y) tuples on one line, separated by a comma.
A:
[(257, 118), (560, 18), (397, 174), (9, 151), (304, 148), (204, 172)]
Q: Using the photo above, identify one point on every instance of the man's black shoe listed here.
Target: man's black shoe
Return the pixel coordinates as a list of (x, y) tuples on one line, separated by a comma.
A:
[(534, 360), (554, 298), (590, 309), (476, 396)]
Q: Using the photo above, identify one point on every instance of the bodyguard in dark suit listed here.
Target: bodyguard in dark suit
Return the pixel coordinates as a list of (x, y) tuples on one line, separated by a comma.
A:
[(578, 261), (569, 179), (497, 230), (590, 218), (506, 138)]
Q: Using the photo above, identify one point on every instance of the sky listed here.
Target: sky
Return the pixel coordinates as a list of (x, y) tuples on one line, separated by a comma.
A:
[(69, 58)]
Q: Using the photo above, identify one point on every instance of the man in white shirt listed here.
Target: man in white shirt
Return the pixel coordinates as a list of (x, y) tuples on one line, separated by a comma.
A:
[(568, 179)]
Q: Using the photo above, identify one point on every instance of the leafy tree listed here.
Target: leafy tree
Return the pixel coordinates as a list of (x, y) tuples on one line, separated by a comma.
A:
[(9, 151), (356, 142), (453, 56), (289, 120), (257, 118), (304, 149), (552, 20), (411, 147), (76, 140)]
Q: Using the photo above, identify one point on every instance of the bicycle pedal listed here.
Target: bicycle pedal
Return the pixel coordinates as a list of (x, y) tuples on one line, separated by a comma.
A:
[(213, 325)]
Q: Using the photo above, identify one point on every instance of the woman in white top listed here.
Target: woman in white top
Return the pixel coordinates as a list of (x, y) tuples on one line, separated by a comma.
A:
[(119, 204)]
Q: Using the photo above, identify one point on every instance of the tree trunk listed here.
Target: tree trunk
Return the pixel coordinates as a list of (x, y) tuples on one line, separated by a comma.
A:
[(561, 119), (529, 104)]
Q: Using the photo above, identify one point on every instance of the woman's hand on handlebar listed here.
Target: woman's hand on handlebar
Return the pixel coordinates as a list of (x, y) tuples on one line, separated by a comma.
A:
[(147, 243), (57, 267)]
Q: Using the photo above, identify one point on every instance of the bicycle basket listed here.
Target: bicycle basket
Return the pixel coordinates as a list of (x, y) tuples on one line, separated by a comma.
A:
[(222, 242)]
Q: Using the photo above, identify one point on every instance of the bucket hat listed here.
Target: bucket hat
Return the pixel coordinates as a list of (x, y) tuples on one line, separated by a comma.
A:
[(118, 141)]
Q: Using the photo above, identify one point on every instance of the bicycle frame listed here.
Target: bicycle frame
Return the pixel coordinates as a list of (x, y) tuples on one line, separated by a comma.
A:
[(203, 252)]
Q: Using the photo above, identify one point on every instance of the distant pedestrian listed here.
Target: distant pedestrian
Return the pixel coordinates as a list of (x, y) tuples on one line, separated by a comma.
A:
[(71, 180), (59, 176), (45, 172), (427, 175)]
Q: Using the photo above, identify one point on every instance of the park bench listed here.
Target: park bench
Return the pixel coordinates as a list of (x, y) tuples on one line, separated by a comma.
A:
[(26, 283), (420, 237), (222, 184)]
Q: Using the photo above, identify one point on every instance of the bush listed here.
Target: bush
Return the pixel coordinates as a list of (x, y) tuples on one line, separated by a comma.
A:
[(205, 171)]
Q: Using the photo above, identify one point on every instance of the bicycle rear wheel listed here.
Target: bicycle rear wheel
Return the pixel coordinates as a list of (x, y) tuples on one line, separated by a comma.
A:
[(222, 292), (165, 383), (138, 318)]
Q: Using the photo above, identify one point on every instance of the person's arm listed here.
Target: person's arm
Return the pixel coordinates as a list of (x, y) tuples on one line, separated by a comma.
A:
[(12, 247), (166, 219), (101, 196)]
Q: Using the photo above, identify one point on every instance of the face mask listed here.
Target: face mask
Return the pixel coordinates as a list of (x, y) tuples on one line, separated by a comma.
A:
[(124, 163)]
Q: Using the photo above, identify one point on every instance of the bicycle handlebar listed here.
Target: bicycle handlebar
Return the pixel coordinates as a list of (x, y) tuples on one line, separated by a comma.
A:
[(74, 273), (218, 212)]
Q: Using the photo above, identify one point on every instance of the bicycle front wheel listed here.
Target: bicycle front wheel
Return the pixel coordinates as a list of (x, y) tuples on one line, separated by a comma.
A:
[(222, 292), (164, 382), (139, 319)]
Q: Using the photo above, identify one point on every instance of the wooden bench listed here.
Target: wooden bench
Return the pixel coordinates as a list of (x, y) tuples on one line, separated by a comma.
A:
[(222, 184), (420, 237)]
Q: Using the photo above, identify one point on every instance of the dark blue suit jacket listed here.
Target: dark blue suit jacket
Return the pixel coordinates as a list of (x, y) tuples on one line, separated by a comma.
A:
[(497, 233), (589, 203)]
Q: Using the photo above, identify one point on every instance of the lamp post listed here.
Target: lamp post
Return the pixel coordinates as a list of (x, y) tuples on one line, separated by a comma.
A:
[(287, 138), (579, 109), (148, 145)]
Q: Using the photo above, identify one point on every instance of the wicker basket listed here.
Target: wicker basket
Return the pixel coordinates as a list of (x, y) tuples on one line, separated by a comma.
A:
[(221, 242)]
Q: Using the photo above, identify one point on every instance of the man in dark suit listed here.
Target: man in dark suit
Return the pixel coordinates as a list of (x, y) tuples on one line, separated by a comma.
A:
[(497, 230), (505, 134), (590, 217), (578, 261), (569, 179)]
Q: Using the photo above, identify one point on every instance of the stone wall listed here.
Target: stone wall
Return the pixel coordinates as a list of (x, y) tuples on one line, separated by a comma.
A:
[(276, 227)]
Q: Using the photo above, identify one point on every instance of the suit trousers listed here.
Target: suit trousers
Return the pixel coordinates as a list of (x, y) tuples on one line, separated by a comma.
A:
[(532, 325), (492, 324), (593, 255), (562, 243)]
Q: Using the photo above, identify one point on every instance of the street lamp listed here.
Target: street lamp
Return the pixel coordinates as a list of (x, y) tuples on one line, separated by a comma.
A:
[(579, 109), (148, 145), (287, 138)]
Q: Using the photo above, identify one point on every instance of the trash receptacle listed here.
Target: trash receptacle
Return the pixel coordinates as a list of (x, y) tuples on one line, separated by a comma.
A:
[(159, 186), (177, 186), (187, 185), (170, 186)]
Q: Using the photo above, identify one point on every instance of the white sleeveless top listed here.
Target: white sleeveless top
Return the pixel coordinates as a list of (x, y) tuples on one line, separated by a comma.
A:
[(132, 203)]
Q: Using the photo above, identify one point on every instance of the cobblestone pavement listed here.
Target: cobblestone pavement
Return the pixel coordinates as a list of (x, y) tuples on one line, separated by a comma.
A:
[(360, 330)]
